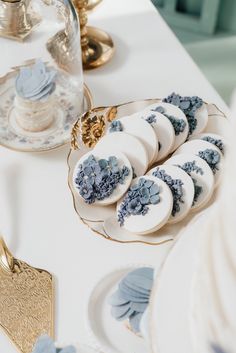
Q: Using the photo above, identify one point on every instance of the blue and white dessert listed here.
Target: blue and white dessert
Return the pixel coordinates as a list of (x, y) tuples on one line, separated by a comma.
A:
[(140, 129), (201, 174), (102, 178), (35, 97), (45, 344), (215, 139), (146, 207), (131, 299), (208, 152), (164, 132), (194, 108), (129, 145), (181, 186), (177, 119)]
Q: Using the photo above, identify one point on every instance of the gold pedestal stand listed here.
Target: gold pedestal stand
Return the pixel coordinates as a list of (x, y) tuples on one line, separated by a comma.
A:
[(92, 4), (97, 46)]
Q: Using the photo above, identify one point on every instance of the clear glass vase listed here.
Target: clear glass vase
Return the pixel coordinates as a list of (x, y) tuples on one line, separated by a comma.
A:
[(41, 76)]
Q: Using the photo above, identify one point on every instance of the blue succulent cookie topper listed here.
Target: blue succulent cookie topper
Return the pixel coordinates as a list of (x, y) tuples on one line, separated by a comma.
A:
[(179, 125), (132, 297), (212, 158), (36, 82), (139, 196), (45, 344), (189, 105), (217, 142), (97, 179), (115, 126), (189, 167), (176, 187)]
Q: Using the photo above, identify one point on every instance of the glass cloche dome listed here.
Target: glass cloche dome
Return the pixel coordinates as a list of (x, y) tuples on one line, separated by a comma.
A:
[(41, 77)]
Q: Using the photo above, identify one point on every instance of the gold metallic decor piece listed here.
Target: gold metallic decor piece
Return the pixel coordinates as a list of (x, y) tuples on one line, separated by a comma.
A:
[(17, 19), (97, 46), (92, 4), (26, 301)]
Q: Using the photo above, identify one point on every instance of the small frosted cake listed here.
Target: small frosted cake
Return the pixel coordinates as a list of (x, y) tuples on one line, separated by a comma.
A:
[(130, 300), (35, 97)]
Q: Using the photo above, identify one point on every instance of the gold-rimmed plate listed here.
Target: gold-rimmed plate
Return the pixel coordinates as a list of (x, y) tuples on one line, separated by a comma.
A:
[(14, 137), (102, 219)]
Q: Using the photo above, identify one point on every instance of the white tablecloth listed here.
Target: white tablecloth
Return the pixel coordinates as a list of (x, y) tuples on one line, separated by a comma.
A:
[(37, 216)]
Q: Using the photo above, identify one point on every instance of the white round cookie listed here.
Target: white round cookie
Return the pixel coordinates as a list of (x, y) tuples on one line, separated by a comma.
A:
[(120, 189), (195, 146), (187, 187), (215, 137), (129, 145), (177, 113), (205, 180), (157, 215), (141, 129), (202, 119), (164, 132)]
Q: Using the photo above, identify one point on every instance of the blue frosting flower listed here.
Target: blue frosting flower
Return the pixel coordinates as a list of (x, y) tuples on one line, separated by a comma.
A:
[(115, 126), (176, 187), (212, 158), (132, 297), (151, 119), (189, 105), (217, 142), (36, 82), (179, 125), (97, 179), (45, 344), (217, 349), (189, 167), (145, 192)]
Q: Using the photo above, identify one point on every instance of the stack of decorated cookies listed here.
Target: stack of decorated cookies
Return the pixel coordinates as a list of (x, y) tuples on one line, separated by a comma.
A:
[(157, 165)]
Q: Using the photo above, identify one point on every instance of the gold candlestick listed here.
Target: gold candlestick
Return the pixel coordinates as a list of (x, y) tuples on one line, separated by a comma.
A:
[(92, 4), (16, 22), (97, 46)]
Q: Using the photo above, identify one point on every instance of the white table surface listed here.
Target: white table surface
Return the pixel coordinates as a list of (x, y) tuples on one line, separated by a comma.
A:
[(37, 216)]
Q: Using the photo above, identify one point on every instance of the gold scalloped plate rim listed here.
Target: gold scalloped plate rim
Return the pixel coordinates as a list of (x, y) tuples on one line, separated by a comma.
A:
[(73, 149)]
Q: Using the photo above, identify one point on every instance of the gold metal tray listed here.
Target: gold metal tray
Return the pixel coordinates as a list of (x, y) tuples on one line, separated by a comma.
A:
[(101, 219)]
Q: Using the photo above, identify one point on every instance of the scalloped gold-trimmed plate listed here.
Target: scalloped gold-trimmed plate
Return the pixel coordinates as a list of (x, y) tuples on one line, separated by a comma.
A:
[(101, 219)]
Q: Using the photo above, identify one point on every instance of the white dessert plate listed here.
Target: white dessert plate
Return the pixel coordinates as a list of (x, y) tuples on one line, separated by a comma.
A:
[(14, 137), (102, 219), (109, 335)]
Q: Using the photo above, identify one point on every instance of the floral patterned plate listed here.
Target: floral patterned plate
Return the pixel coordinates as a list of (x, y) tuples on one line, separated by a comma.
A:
[(14, 137), (102, 219)]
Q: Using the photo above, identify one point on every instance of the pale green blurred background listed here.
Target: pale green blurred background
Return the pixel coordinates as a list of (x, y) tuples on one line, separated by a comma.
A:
[(207, 29)]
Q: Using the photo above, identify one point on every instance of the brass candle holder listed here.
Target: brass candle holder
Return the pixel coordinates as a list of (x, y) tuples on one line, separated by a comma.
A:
[(16, 20), (97, 46), (92, 4)]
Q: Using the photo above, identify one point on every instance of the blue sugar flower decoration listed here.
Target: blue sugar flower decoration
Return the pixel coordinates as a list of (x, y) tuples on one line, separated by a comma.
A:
[(217, 142), (151, 119), (97, 179), (189, 167), (217, 349), (137, 199), (179, 125), (176, 187), (132, 297), (189, 105), (115, 126), (212, 158), (36, 82), (45, 344)]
